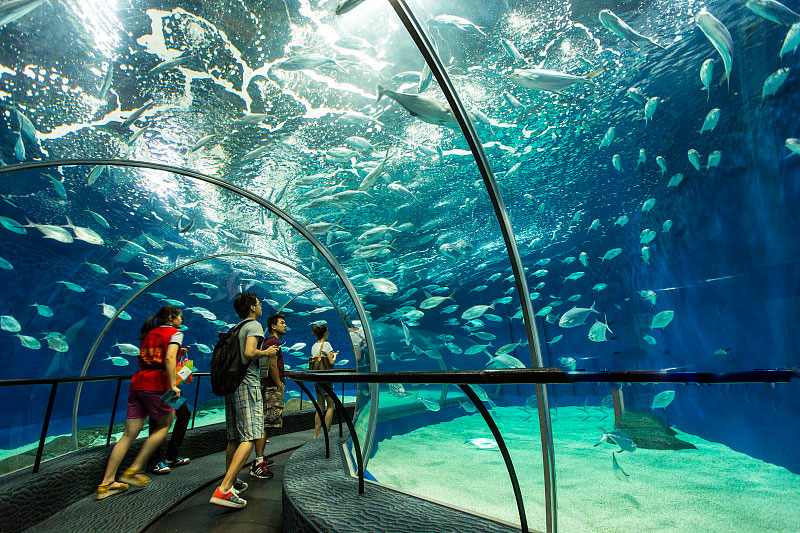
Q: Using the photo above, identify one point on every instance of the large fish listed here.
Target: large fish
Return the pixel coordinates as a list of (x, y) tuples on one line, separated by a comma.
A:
[(576, 316), (618, 27), (462, 24), (774, 11), (422, 107), (719, 36), (550, 80), (346, 5), (309, 62), (14, 9)]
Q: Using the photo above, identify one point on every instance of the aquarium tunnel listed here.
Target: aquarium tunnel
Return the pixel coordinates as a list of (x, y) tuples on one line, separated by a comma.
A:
[(462, 188)]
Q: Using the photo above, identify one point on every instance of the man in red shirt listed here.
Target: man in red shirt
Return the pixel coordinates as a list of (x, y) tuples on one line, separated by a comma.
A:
[(273, 376)]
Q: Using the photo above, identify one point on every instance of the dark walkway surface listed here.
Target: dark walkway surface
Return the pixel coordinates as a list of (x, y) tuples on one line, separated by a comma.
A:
[(135, 509), (263, 511)]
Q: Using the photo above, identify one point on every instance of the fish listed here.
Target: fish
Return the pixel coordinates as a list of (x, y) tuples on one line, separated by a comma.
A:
[(773, 11), (583, 257), (57, 233), (648, 205), (433, 301), (5, 264), (476, 349), (108, 79), (635, 94), (647, 236), (649, 296), (712, 118), (649, 339), (133, 117), (608, 138), (136, 276), (646, 255), (662, 164), (127, 349), (121, 286), (793, 144), (430, 405), (12, 10), (550, 80), (594, 225), (72, 286), (440, 21), (597, 333), (569, 363), (618, 471), (706, 75), (178, 303), (309, 62), (200, 295), (662, 319), (616, 162), (618, 437), (575, 275), (95, 173), (475, 311), (370, 179), (666, 226), (576, 316), (484, 335), (424, 108), (453, 348), (512, 51), (600, 287), (792, 40), (43, 310), (774, 82), (618, 27), (483, 443), (622, 220), (202, 142), (427, 75), (108, 310), (720, 37), (650, 108), (504, 360), (555, 339), (642, 157), (540, 273), (468, 406), (10, 324), (694, 158), (675, 180), (19, 149), (347, 5), (544, 311), (205, 285), (12, 225), (713, 159), (28, 342), (99, 219), (611, 254), (85, 234), (663, 399), (169, 64), (117, 360)]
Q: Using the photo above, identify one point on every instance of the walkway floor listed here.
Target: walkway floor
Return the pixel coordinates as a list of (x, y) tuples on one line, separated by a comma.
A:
[(263, 511)]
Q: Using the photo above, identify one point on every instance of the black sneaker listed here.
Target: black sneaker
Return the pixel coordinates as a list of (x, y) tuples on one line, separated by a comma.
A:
[(240, 486), (260, 470), (269, 462)]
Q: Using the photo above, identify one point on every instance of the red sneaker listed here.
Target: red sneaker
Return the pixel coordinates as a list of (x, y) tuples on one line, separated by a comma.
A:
[(228, 499)]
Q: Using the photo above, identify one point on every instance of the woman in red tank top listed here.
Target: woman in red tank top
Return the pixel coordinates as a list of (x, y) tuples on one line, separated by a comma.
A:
[(161, 342)]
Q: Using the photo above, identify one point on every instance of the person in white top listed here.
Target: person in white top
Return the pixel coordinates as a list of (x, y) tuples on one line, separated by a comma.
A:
[(322, 358)]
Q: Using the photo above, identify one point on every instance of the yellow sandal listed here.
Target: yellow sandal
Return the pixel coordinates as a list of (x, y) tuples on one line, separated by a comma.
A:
[(132, 477), (104, 491)]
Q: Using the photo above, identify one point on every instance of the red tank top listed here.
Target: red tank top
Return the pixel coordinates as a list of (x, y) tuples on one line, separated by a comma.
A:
[(153, 376)]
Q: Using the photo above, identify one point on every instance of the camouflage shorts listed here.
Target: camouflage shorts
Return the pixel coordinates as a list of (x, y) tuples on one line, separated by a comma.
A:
[(273, 405)]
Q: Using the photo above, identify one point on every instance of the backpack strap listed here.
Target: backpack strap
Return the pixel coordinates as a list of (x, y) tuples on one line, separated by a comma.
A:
[(237, 329)]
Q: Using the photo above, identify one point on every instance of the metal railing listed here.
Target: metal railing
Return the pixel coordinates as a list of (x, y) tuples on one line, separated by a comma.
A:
[(554, 376), (54, 382)]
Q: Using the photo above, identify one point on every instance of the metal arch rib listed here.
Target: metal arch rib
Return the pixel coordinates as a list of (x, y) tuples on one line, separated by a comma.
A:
[(362, 314), (149, 284), (470, 134)]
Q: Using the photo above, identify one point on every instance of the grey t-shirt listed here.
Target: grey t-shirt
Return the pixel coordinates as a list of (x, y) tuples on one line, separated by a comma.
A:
[(251, 329)]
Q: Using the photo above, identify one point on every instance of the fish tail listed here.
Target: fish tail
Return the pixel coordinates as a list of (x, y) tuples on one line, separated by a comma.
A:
[(380, 93)]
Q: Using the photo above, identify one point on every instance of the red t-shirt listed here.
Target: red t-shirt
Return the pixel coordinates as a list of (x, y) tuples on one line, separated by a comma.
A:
[(153, 375), (273, 341)]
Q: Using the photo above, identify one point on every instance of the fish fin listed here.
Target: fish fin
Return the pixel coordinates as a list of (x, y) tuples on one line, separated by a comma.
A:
[(381, 93)]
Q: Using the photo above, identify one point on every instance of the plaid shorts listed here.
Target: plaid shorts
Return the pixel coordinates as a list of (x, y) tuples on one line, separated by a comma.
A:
[(273, 405), (244, 414)]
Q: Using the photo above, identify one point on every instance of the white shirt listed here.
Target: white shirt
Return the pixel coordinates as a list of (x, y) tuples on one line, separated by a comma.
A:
[(324, 346)]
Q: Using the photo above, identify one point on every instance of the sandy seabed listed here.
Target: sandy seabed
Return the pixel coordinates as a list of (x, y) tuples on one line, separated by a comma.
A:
[(712, 488)]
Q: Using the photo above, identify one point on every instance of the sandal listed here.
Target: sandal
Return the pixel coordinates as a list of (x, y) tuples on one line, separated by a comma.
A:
[(132, 477), (104, 491)]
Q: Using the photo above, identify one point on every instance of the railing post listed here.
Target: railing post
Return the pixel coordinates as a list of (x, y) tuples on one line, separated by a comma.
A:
[(113, 412), (503, 450), (196, 395), (46, 423), (321, 418), (356, 446), (339, 416)]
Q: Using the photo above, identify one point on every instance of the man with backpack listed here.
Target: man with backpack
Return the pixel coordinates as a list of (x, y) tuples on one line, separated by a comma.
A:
[(244, 410)]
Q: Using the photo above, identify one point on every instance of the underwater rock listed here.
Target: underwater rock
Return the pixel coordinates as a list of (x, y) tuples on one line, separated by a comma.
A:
[(649, 432)]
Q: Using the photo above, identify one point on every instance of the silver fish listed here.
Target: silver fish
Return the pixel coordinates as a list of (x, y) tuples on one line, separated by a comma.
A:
[(422, 107), (108, 79), (14, 9), (440, 21), (792, 40), (550, 80), (133, 117), (618, 471), (309, 62), (170, 64), (706, 74), (346, 5), (617, 26), (773, 11), (618, 437), (712, 118), (719, 36), (512, 51), (774, 82)]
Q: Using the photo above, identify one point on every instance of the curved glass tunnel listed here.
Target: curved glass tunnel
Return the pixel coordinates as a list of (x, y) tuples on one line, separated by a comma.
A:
[(652, 199)]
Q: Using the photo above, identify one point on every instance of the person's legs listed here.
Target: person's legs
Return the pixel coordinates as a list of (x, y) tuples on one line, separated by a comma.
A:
[(132, 428), (182, 417), (153, 441), (239, 458), (317, 420), (329, 412)]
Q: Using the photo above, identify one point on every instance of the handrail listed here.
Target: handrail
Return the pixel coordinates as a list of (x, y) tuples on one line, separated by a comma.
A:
[(547, 376)]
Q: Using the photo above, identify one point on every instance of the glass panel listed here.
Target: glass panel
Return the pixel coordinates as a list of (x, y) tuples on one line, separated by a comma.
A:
[(21, 429)]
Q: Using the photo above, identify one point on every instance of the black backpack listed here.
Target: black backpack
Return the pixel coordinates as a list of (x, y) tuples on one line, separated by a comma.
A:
[(227, 370)]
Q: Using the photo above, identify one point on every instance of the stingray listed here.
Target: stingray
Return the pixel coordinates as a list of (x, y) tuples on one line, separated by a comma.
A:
[(649, 432)]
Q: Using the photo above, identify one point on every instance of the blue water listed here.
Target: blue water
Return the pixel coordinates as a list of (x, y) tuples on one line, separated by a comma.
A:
[(727, 267)]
